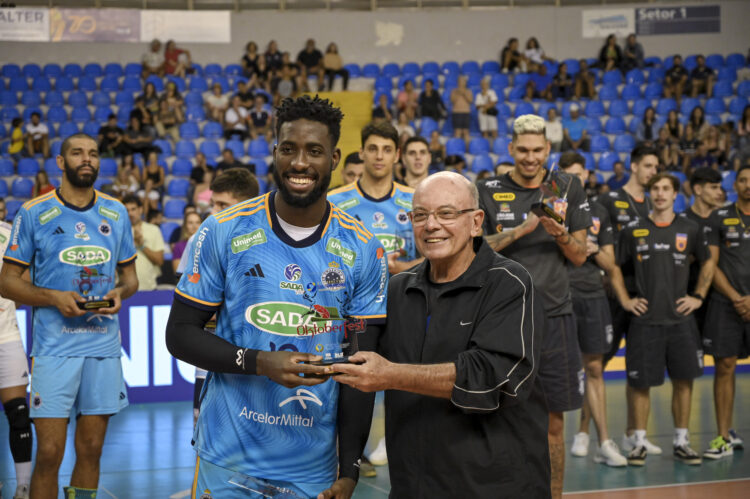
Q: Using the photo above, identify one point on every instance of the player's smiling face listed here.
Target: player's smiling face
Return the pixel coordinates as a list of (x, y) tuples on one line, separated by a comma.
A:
[(530, 152), (304, 160)]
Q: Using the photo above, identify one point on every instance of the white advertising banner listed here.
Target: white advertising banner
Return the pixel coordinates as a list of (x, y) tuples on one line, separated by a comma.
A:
[(21, 24), (205, 26), (600, 23)]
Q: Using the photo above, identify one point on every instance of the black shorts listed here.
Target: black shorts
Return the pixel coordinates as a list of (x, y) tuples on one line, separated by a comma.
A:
[(560, 366), (725, 334), (651, 349), (594, 324), (461, 120)]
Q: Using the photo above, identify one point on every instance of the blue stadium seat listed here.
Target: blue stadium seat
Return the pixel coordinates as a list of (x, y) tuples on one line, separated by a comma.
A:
[(27, 167), (67, 129), (599, 143), (665, 105), (743, 89), (593, 126), (165, 146), (210, 149), (490, 67), (31, 70), (195, 113), (499, 80), (624, 143), (13, 205), (54, 148), (236, 147), (469, 67), (3, 189), (114, 70), (261, 168), (573, 66), (479, 145), (594, 109), (212, 130), (124, 99), (93, 69), (8, 98), (383, 84), (7, 169), (167, 228), (78, 99), (634, 124), (64, 84), (631, 91), (618, 108), (371, 70), (411, 69), (180, 82), (193, 98), (727, 74), (109, 84), (524, 108), (133, 69), (607, 161), (50, 166), (123, 116), (544, 108), (91, 128), (455, 145), (107, 167), (735, 60), (41, 84), (450, 67), (52, 70), (635, 76), (639, 107), (653, 91), (737, 105), (354, 70), (18, 84), (3, 132), (608, 92), (258, 148), (11, 71), (614, 126), (450, 81), (473, 80), (159, 83), (613, 77), (80, 115), (715, 61), (54, 98), (8, 114), (212, 70), (481, 163), (22, 187), (430, 67), (715, 105), (131, 84), (173, 208), (516, 94), (87, 83), (724, 89), (182, 167), (100, 99), (233, 70), (427, 126), (189, 130), (690, 62), (688, 104)]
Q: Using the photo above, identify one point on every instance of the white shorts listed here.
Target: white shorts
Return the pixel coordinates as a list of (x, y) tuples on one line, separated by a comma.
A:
[(487, 123), (152, 195), (14, 366)]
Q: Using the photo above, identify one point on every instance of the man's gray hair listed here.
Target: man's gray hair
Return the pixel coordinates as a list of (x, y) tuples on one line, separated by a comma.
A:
[(528, 123)]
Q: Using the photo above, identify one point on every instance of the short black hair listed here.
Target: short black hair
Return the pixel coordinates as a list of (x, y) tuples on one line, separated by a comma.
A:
[(313, 109), (353, 159), (152, 214), (664, 175), (380, 129), (568, 159), (36, 113), (412, 140), (132, 199), (704, 175), (239, 182), (642, 150), (66, 143), (226, 149), (744, 167), (16, 122)]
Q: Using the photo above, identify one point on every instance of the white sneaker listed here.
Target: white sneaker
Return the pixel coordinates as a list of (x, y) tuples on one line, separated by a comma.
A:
[(22, 492), (609, 454), (580, 445), (379, 457), (628, 444)]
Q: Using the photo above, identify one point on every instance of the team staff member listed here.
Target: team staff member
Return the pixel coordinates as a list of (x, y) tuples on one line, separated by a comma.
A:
[(727, 332), (267, 267), (14, 376), (593, 320), (543, 247), (465, 416), (75, 241), (663, 333)]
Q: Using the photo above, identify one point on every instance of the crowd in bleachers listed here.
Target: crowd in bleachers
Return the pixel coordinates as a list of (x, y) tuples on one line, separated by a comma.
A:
[(165, 125)]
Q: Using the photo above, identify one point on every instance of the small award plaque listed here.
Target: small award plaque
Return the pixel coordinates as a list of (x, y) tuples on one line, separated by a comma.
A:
[(93, 303), (263, 487), (553, 201), (335, 353)]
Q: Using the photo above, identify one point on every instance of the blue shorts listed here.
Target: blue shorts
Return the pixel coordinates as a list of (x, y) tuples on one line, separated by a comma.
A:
[(213, 482), (72, 386)]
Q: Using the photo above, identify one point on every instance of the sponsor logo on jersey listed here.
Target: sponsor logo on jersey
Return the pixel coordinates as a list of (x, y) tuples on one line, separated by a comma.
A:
[(282, 420), (196, 276), (379, 252), (333, 279), (292, 272), (335, 247), (504, 196), (81, 230), (36, 401), (14, 239), (104, 228), (680, 242), (378, 221), (402, 217), (391, 242), (383, 279), (111, 214), (58, 230), (492, 183), (640, 233), (349, 203), (255, 271), (3, 239), (247, 241), (286, 319), (85, 256), (49, 215), (292, 286), (661, 246), (403, 203), (731, 221), (88, 277), (623, 205), (597, 225), (206, 494), (302, 396), (505, 207)]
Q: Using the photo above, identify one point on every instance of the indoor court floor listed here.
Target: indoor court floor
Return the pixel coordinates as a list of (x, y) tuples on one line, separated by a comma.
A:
[(147, 454)]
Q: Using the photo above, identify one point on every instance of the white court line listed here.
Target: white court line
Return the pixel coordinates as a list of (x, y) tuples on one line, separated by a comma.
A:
[(373, 486), (108, 492), (684, 484), (180, 494)]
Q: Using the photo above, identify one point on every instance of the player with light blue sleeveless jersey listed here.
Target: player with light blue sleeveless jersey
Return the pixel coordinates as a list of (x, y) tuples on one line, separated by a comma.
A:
[(75, 241), (291, 277)]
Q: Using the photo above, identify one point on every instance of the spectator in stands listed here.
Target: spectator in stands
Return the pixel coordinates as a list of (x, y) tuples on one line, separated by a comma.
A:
[(541, 83), (562, 84), (430, 103), (333, 66), (698, 121), (286, 82), (662, 144), (585, 82), (382, 111), (461, 100), (37, 136), (675, 80), (190, 223), (152, 182), (701, 78), (534, 55), (407, 101), (273, 57), (717, 145), (41, 184), (177, 61), (554, 130), (202, 194), (236, 120), (173, 97), (152, 62), (648, 130), (245, 94), (457, 163), (138, 139), (353, 169), (404, 129), (174, 236), (125, 183), (632, 54), (688, 145), (593, 187), (128, 163), (216, 103), (155, 217), (140, 112), (167, 121), (575, 136), (149, 245), (260, 120), (610, 55), (619, 178), (701, 159), (150, 98), (311, 63), (743, 129), (251, 63), (670, 158), (510, 58), (485, 102), (227, 161), (201, 166), (673, 126), (437, 152), (16, 139), (110, 139)]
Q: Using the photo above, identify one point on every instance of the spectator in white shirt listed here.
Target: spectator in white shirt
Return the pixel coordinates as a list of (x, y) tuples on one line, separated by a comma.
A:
[(216, 103), (37, 136), (554, 130), (236, 120), (153, 61), (485, 102)]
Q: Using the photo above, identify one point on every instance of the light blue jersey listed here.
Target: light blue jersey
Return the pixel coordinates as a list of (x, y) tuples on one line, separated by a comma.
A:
[(274, 293), (387, 217), (73, 249)]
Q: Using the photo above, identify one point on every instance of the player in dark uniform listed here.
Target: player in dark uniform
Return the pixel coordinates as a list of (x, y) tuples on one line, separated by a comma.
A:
[(543, 246), (594, 321), (625, 205), (727, 334), (663, 333)]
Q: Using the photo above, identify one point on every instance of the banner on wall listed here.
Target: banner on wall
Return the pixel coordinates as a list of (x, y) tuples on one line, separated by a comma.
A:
[(95, 25), (205, 26), (22, 24), (678, 20), (600, 23)]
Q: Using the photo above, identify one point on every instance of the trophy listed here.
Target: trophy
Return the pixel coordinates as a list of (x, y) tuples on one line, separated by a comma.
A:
[(339, 352), (553, 202)]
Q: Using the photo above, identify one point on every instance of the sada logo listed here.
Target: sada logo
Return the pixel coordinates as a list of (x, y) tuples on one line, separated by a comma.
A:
[(285, 319), (85, 256)]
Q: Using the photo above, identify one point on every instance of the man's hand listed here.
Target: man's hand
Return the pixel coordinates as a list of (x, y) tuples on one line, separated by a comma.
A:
[(591, 247), (688, 304), (343, 488), (114, 294), (529, 225), (285, 368), (553, 228), (636, 306), (742, 306), (67, 303), (138, 236), (394, 266), (365, 371)]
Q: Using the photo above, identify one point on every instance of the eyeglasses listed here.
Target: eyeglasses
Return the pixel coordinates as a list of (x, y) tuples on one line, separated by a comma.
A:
[(444, 216)]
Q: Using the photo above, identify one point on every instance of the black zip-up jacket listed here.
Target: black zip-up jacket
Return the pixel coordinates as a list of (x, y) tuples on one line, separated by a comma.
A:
[(490, 439)]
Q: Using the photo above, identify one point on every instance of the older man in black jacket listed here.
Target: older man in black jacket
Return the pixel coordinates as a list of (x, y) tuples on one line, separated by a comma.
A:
[(465, 415)]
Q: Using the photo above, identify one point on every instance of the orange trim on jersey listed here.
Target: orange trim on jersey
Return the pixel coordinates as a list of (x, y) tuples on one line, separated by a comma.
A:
[(350, 227), (662, 224), (195, 476), (243, 204), (343, 188), (128, 259), (106, 196), (15, 260), (268, 212), (331, 207), (196, 300), (353, 220), (376, 316), (44, 197), (347, 223), (241, 214), (404, 188)]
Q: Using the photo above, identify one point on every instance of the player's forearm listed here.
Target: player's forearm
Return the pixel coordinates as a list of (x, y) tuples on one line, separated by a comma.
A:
[(618, 284), (354, 420), (721, 284), (572, 247), (704, 278), (502, 240), (433, 380), (128, 284)]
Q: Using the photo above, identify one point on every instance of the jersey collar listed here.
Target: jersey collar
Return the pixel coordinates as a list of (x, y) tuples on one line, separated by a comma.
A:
[(376, 200), (59, 197), (302, 243)]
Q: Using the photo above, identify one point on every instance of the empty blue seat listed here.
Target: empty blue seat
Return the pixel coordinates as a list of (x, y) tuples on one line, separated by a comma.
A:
[(236, 147), (607, 161), (737, 105), (688, 104), (594, 109), (210, 149), (195, 113), (6, 167), (124, 99), (22, 187), (524, 108), (197, 84), (743, 89), (78, 99), (481, 163), (354, 70), (490, 67), (608, 92), (50, 166), (54, 98), (52, 70), (31, 70), (727, 74), (12, 206), (101, 114), (100, 99), (193, 99), (67, 129), (159, 83), (624, 143), (18, 84), (599, 143), (634, 124), (64, 84), (653, 91), (724, 88), (41, 84), (450, 67), (11, 71), (618, 108), (593, 126), (131, 84), (631, 91), (573, 66), (715, 105), (123, 116), (232, 70), (614, 126), (499, 80), (613, 77), (87, 83), (167, 228), (173, 208), (665, 105), (469, 67), (114, 70), (54, 148), (371, 70), (640, 106), (8, 98), (635, 76), (165, 146), (261, 168), (109, 84), (479, 145), (715, 61), (3, 189), (8, 114), (27, 167), (212, 70), (212, 130), (80, 115), (180, 82), (454, 146), (189, 130), (133, 69), (411, 69), (93, 69), (182, 167), (430, 67), (428, 126), (258, 148), (473, 80), (735, 60), (91, 128), (383, 84), (107, 167)]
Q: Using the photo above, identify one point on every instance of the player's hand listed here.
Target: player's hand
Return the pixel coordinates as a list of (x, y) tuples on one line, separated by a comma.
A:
[(393, 263), (742, 305), (591, 247), (688, 304), (286, 368), (528, 225), (343, 488), (553, 228), (113, 294), (67, 303), (636, 306), (365, 371)]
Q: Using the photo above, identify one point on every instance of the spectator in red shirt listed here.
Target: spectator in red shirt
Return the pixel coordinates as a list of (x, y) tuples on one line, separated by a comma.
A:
[(176, 61)]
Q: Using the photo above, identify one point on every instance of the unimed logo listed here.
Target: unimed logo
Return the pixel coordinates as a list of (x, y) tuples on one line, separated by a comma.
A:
[(247, 241)]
